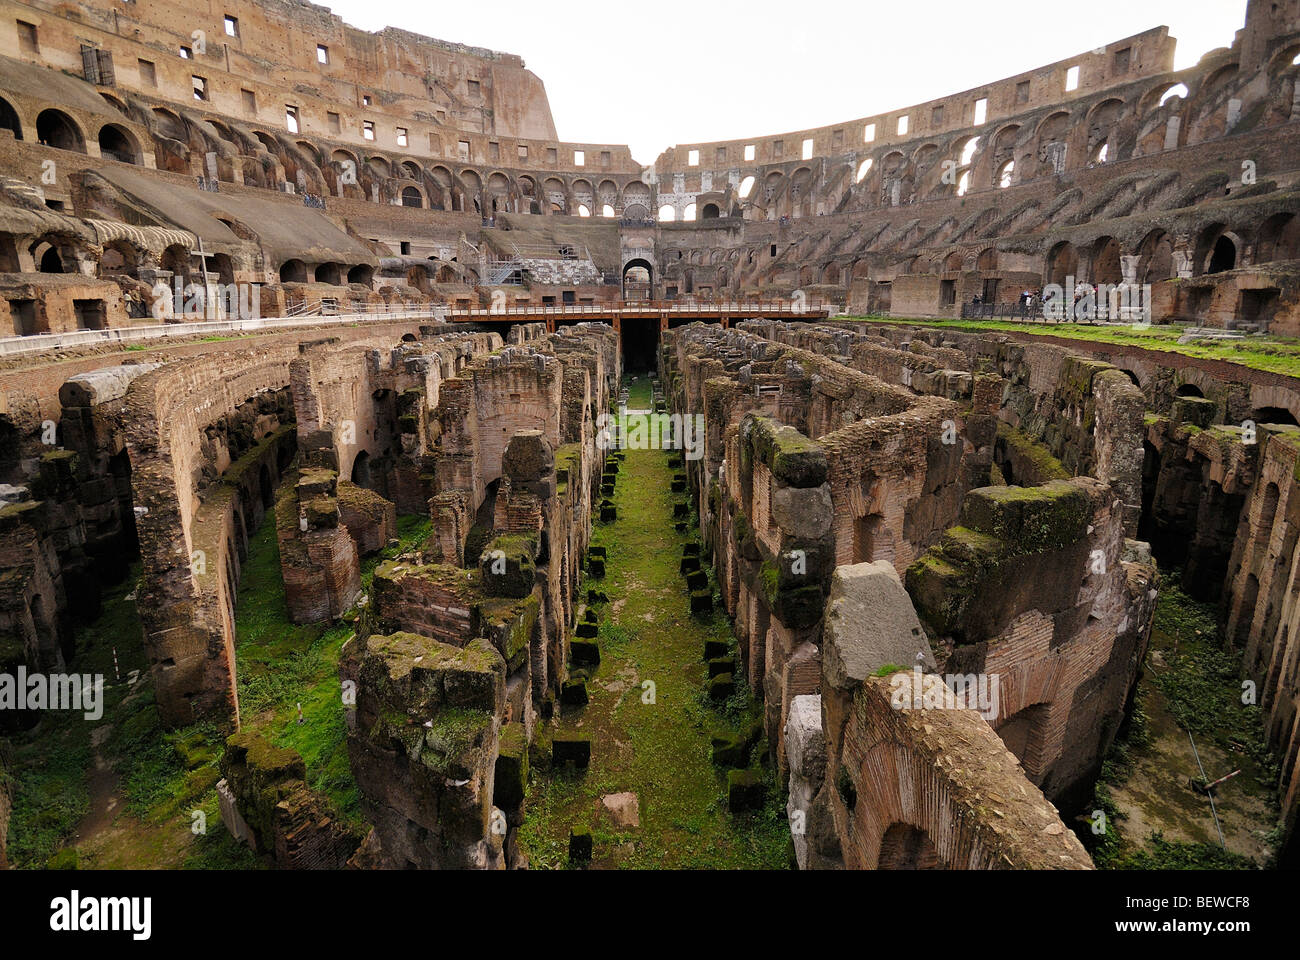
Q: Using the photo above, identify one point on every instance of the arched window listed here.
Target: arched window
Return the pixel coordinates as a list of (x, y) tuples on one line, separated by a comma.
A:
[(746, 186), (864, 169), (689, 212), (1005, 174), (667, 214), (583, 210), (607, 211), (1177, 90), (54, 128)]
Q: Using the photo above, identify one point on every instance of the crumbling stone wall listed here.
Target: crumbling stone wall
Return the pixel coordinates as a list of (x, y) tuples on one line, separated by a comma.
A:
[(266, 803), (475, 647), (889, 770), (1034, 586), (424, 749)]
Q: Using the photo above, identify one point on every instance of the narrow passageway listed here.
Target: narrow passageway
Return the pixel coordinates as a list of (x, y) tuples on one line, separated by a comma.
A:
[(649, 717)]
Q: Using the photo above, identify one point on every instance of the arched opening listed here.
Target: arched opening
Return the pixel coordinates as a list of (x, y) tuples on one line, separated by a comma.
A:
[(47, 258), (1176, 90), (411, 197), (1155, 258), (9, 119), (638, 277), (584, 210), (54, 128), (328, 273), (361, 469), (1223, 257), (1005, 174), (1022, 733), (1276, 415), (116, 143), (1062, 263), (689, 213), (1105, 261), (1279, 238), (293, 271), (1189, 390), (710, 212), (607, 211), (667, 214), (746, 187), (905, 847), (362, 273), (119, 259)]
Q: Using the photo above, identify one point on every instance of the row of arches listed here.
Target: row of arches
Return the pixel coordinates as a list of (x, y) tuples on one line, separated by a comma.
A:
[(58, 129)]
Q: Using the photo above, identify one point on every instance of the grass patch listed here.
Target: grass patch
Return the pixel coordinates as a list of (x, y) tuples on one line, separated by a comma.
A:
[(1274, 354)]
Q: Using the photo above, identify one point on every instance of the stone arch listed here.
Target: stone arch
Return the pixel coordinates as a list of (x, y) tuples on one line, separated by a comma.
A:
[(293, 271), (9, 119), (1062, 262), (907, 847), (1279, 238), (328, 272), (120, 258), (1024, 734), (48, 256), (54, 128), (412, 197), (170, 125), (1053, 143), (118, 143), (1155, 257), (1105, 263), (1217, 250)]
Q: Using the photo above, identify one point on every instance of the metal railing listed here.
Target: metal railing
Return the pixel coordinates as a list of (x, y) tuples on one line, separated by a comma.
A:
[(1033, 312), (766, 308), (33, 343), (1003, 311)]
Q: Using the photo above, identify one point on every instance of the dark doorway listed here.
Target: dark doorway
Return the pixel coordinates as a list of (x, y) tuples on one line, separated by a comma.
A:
[(640, 345), (1224, 257)]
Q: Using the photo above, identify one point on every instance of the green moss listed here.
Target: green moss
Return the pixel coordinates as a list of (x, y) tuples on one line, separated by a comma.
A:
[(1029, 519), (1032, 460)]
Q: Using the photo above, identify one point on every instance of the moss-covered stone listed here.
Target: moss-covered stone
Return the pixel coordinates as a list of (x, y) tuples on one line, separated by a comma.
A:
[(510, 782), (508, 566), (580, 844), (1029, 519), (729, 750), (573, 693), (745, 790), (793, 458), (584, 653)]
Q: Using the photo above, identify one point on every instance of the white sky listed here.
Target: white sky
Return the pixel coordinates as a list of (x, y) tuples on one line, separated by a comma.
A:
[(655, 75)]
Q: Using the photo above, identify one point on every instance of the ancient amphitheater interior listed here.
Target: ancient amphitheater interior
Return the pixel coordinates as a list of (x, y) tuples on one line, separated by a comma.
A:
[(386, 483)]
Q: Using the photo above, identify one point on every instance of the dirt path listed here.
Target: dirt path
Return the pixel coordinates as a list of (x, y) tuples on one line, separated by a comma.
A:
[(650, 721)]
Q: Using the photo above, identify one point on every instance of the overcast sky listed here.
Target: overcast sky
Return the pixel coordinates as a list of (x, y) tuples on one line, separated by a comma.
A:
[(655, 75)]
